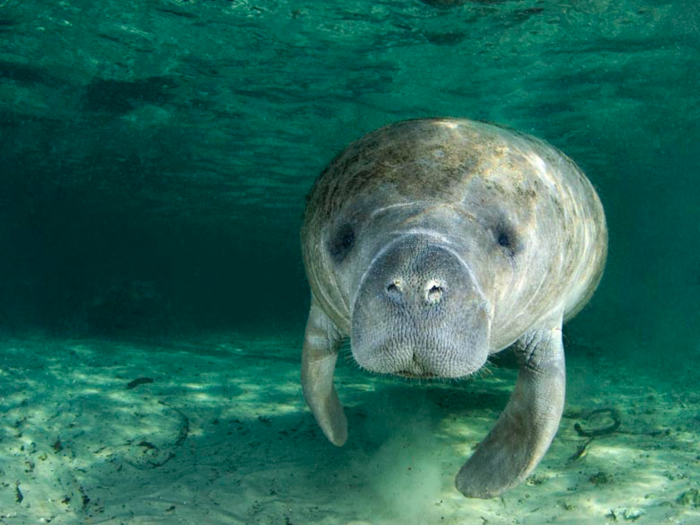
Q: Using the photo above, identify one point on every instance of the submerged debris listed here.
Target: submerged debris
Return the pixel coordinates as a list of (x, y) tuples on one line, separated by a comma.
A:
[(596, 432), (632, 514), (139, 381), (625, 514), (600, 478), (690, 498), (603, 431), (85, 499), (184, 426)]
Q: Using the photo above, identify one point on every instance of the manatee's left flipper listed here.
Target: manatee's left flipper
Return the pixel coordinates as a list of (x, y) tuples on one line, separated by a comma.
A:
[(529, 422), (321, 343)]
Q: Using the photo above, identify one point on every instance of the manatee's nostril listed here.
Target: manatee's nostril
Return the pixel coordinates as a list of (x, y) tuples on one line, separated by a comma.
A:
[(395, 288), (434, 293)]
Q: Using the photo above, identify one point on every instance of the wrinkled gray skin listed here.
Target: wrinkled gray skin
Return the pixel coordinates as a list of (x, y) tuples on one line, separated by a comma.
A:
[(434, 243)]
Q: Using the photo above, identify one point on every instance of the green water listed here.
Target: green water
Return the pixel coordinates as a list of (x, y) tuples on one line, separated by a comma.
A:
[(154, 162)]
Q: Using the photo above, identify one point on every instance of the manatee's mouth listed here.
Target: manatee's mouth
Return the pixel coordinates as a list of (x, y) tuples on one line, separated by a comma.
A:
[(415, 370)]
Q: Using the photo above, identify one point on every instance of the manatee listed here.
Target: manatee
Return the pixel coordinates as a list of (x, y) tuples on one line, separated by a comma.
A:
[(434, 243)]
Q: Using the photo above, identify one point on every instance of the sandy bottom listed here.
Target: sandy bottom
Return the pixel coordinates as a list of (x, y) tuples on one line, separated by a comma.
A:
[(216, 432)]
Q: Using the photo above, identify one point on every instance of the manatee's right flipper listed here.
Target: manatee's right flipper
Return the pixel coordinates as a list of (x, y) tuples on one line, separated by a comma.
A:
[(321, 343), (529, 422)]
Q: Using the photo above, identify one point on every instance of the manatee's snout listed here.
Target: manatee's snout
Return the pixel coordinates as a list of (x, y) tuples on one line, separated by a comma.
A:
[(419, 313)]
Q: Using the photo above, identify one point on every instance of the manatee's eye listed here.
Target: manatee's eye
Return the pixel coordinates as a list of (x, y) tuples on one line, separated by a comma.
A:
[(348, 239), (507, 238), (342, 242)]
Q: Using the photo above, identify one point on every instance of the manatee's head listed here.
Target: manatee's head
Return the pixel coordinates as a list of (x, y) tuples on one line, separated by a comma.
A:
[(418, 282), (408, 248)]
